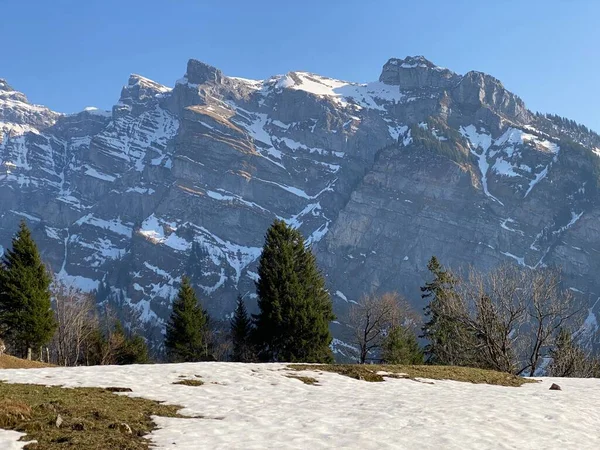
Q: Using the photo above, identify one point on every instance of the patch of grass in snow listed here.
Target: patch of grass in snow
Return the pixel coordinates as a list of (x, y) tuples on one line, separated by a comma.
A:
[(10, 362), (306, 380), (92, 418), (12, 411), (378, 372), (190, 382)]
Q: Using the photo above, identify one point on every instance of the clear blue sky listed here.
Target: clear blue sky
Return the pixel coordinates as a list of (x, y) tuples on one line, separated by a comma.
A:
[(72, 54)]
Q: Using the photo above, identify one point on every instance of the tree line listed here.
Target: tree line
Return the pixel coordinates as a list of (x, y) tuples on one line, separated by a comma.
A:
[(511, 319), (41, 317), (294, 310)]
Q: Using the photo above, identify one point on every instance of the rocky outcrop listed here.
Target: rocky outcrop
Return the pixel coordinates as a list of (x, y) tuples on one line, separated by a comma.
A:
[(18, 116), (477, 90), (200, 73), (417, 73), (378, 176)]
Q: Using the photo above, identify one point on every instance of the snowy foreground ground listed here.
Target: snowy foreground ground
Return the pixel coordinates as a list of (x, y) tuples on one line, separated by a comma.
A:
[(248, 406)]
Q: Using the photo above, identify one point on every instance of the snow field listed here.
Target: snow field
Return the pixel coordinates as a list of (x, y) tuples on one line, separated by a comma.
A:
[(255, 406)]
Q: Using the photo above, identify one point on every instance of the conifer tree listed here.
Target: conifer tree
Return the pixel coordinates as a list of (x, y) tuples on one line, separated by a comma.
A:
[(25, 308), (241, 330), (400, 346), (570, 360), (294, 307), (445, 335), (187, 330), (129, 348)]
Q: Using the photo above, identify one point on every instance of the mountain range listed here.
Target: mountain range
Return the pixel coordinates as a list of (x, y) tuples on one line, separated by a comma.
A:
[(378, 176)]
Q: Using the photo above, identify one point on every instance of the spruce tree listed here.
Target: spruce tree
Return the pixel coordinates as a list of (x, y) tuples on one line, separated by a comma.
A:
[(187, 330), (563, 363), (294, 307), (129, 348), (446, 337), (570, 360), (25, 308), (241, 329), (400, 346)]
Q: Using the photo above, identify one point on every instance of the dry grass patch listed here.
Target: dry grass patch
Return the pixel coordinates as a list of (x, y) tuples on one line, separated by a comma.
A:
[(369, 372), (306, 380), (13, 411), (10, 362), (89, 418), (190, 382)]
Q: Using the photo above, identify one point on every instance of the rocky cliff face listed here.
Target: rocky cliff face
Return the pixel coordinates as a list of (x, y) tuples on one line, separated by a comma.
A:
[(378, 177)]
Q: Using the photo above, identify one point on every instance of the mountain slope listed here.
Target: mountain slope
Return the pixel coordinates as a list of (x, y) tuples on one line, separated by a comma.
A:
[(378, 176)]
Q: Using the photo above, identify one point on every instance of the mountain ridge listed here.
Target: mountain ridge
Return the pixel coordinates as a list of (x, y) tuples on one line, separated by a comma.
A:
[(379, 176), (410, 62)]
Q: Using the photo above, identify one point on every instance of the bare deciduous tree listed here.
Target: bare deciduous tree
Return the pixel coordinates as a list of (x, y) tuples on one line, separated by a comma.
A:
[(550, 308), (77, 320), (515, 316), (496, 313), (372, 317)]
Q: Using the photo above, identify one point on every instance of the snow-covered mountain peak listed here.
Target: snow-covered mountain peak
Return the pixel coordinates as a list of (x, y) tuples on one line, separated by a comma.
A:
[(345, 94), (18, 116), (8, 93), (147, 83), (4, 86), (96, 111), (308, 82), (140, 90)]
